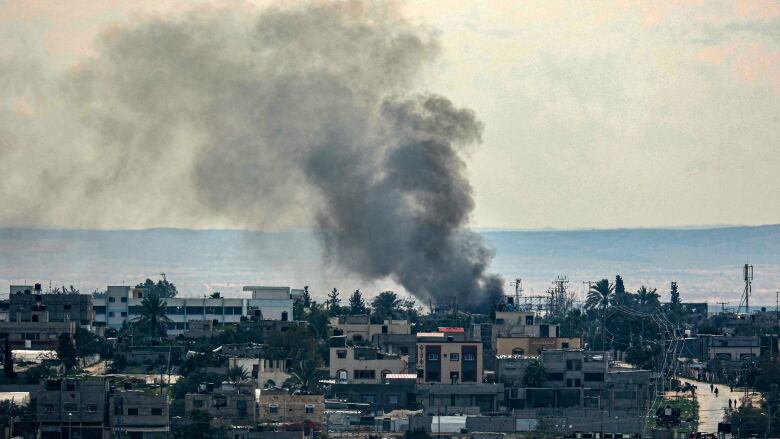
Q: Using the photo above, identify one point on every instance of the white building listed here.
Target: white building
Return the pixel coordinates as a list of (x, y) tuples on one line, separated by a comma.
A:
[(120, 304)]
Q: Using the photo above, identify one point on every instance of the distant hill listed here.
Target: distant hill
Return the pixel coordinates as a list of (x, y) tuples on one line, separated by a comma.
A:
[(706, 263)]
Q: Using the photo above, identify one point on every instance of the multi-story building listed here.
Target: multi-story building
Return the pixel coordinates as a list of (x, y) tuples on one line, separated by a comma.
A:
[(359, 328), (61, 307), (120, 304), (462, 398), (443, 359), (139, 415), (227, 407), (72, 405), (398, 392), (36, 331), (534, 345), (366, 365), (280, 406)]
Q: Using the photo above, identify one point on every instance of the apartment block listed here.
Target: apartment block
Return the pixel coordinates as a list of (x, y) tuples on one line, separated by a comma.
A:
[(280, 406), (359, 327), (364, 365), (443, 359), (140, 415)]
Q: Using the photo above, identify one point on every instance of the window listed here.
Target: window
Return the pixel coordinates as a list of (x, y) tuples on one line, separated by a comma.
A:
[(518, 351), (70, 407), (124, 314), (433, 356), (393, 399), (468, 357), (157, 412), (454, 376), (99, 309), (368, 398), (273, 409), (357, 337), (194, 310), (342, 375), (66, 307), (111, 313), (92, 408), (111, 299), (573, 364), (132, 412), (592, 376), (124, 300), (341, 354), (454, 357), (70, 385), (309, 409), (198, 403), (48, 408), (365, 374), (554, 376)]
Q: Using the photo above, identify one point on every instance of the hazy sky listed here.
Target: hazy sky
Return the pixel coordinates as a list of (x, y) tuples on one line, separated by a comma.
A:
[(597, 114)]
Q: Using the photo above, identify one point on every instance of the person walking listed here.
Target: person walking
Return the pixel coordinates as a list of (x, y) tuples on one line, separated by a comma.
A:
[(711, 387), (716, 392)]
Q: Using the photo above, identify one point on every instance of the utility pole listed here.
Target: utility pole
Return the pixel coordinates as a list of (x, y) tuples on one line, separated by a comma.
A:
[(722, 306)]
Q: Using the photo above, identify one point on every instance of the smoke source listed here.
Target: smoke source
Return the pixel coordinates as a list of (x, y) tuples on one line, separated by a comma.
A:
[(287, 117)]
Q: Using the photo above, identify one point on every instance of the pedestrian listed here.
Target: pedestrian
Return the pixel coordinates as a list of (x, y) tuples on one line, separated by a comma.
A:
[(731, 387), (711, 387), (716, 392), (729, 403)]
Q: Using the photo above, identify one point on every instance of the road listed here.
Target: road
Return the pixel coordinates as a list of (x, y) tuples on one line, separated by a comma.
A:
[(711, 407)]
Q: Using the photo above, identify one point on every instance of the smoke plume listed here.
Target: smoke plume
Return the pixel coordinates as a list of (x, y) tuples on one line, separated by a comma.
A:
[(287, 117)]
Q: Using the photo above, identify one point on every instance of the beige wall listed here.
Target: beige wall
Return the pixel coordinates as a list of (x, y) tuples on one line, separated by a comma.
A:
[(366, 331), (291, 408), (446, 359), (350, 365), (533, 345)]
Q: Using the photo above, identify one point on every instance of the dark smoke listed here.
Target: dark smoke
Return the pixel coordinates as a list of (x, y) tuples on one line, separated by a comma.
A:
[(286, 118)]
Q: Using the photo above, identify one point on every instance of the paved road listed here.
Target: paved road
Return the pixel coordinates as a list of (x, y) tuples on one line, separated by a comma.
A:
[(711, 407)]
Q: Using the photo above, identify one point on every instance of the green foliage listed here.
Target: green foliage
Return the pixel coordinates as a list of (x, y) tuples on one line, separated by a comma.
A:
[(319, 320), (237, 374), (334, 303), (385, 306), (8, 360), (599, 295), (88, 344), (152, 319), (620, 296), (199, 427), (356, 304), (197, 362), (534, 375), (66, 351), (294, 344), (189, 382), (162, 289), (647, 299), (34, 374), (768, 374), (305, 377), (749, 420)]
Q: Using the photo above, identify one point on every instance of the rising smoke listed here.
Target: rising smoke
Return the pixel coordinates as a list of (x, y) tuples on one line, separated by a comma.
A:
[(290, 117)]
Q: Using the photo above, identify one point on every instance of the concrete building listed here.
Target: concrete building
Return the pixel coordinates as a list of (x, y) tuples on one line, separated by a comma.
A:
[(733, 348), (35, 332), (61, 307), (442, 359), (364, 365), (120, 304), (359, 328), (534, 345), (463, 398), (398, 392), (226, 406), (139, 415), (71, 407), (280, 406)]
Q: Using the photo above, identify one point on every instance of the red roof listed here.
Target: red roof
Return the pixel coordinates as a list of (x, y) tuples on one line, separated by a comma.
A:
[(442, 329)]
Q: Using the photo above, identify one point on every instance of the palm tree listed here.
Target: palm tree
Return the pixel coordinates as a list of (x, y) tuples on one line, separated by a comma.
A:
[(598, 298), (386, 305), (305, 377), (236, 375), (647, 299), (152, 318)]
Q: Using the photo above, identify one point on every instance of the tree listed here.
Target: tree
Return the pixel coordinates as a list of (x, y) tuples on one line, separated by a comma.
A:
[(152, 319), (305, 377), (385, 305), (295, 344), (333, 302), (8, 360), (648, 300), (162, 288), (534, 375), (319, 320), (620, 297), (236, 375), (356, 304), (598, 299), (306, 297), (66, 351)]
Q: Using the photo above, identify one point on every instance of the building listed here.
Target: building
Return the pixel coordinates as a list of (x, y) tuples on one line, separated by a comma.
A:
[(280, 406), (364, 365), (139, 415), (72, 405), (534, 345), (443, 359), (733, 348), (37, 331), (398, 392), (359, 327), (120, 304), (226, 406), (462, 398), (61, 307)]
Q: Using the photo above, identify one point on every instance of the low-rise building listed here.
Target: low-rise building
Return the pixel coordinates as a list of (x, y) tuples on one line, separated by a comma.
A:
[(76, 405), (359, 328), (463, 398), (280, 406), (364, 365), (139, 415), (227, 407), (37, 331), (64, 307), (534, 345)]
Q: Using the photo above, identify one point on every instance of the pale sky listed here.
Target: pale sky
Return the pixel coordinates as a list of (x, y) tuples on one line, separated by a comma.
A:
[(597, 114)]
